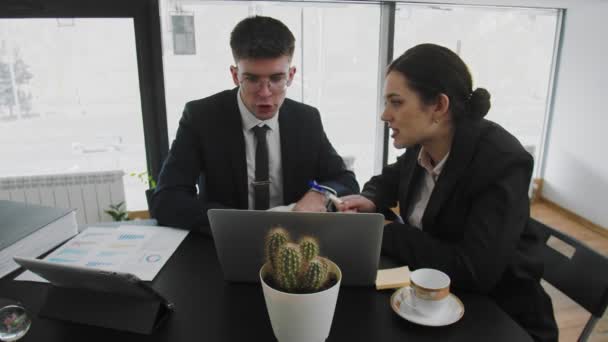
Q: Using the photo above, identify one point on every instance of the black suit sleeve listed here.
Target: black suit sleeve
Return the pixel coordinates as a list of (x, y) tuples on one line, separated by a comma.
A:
[(332, 170), (175, 202), (383, 189), (497, 217)]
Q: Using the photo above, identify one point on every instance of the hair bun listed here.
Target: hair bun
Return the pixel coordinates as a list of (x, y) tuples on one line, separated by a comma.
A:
[(479, 103)]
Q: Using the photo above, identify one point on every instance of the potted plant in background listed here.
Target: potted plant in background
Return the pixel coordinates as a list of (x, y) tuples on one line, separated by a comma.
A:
[(118, 212), (300, 288)]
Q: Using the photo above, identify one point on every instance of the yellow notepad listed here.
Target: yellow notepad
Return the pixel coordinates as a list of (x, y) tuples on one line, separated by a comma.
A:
[(393, 278)]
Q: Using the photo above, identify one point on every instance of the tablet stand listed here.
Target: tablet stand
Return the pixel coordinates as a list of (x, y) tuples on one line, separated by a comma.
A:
[(104, 309)]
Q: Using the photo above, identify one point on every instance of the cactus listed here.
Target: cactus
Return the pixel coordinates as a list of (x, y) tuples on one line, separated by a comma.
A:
[(295, 268), (316, 275), (289, 263), (309, 248), (276, 238)]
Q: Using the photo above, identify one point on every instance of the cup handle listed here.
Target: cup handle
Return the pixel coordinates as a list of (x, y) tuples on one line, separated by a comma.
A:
[(408, 298), (412, 297)]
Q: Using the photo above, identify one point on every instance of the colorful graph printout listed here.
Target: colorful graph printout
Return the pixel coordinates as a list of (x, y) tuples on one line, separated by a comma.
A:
[(140, 250)]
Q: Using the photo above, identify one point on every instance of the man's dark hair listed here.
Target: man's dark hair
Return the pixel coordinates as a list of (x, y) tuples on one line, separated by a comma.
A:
[(261, 37)]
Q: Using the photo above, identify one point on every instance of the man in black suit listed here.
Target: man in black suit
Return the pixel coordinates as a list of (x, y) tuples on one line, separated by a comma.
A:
[(249, 147)]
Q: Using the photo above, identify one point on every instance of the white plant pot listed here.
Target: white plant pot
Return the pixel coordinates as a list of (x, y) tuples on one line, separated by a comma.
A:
[(301, 317)]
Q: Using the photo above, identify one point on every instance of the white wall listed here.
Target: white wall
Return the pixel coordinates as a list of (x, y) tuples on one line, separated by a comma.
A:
[(576, 163)]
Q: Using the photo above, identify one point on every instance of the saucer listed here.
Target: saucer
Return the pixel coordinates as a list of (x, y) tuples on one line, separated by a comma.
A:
[(453, 311)]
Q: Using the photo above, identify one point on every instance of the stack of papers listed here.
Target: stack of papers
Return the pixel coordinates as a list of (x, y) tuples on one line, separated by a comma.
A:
[(140, 250), (393, 278)]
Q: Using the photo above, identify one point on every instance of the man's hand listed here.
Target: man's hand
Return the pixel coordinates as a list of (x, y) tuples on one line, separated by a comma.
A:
[(356, 203), (311, 201)]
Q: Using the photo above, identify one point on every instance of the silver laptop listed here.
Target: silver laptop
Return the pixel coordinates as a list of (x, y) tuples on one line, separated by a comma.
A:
[(352, 241)]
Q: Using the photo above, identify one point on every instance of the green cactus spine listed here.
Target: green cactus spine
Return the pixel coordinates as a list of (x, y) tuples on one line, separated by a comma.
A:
[(315, 275), (276, 238), (289, 263), (309, 248)]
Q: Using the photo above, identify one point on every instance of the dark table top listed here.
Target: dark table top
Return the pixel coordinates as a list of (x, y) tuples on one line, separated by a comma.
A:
[(209, 309)]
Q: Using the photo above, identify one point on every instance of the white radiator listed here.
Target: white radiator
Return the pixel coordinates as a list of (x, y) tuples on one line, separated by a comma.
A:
[(89, 192)]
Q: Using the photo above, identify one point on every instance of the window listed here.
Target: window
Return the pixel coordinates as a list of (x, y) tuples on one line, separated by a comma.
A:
[(69, 102), (508, 51), (183, 34), (336, 59)]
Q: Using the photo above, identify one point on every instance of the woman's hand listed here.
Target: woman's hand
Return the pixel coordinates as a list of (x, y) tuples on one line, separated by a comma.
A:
[(356, 203)]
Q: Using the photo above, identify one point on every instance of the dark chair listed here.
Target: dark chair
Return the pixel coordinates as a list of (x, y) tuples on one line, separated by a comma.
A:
[(581, 273), (149, 193)]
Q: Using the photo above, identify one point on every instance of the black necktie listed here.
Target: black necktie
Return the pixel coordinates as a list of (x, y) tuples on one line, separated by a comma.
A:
[(261, 185)]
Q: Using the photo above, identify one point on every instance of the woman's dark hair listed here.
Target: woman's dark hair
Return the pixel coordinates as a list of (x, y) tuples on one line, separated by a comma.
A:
[(432, 70), (261, 37)]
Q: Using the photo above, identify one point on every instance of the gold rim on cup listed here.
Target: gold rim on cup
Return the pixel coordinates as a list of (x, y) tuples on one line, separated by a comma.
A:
[(430, 294)]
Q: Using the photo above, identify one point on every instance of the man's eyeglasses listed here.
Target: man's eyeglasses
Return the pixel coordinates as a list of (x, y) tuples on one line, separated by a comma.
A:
[(254, 83)]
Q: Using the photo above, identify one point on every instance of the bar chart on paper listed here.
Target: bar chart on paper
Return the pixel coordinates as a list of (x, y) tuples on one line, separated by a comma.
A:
[(131, 236)]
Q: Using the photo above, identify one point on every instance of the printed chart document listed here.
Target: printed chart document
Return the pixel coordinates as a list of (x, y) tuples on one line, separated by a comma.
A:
[(140, 250)]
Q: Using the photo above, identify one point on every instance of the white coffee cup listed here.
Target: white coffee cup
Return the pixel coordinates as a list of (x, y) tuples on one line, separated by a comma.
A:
[(428, 291)]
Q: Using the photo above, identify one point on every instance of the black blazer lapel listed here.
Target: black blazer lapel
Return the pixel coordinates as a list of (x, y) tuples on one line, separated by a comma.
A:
[(234, 135), (463, 146), (410, 175), (289, 151)]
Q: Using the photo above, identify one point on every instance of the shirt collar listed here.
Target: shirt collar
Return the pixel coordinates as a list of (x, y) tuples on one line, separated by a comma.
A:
[(424, 160), (249, 120)]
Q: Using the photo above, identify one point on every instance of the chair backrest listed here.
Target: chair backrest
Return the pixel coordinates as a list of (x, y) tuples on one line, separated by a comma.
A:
[(149, 194), (576, 270)]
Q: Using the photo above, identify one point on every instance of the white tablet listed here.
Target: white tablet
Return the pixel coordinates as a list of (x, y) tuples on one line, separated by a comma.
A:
[(69, 276)]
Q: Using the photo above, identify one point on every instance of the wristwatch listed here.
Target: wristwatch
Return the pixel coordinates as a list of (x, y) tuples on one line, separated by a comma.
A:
[(329, 204)]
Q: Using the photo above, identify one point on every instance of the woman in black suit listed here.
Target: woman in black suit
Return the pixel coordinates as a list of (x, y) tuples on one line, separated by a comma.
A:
[(461, 186)]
